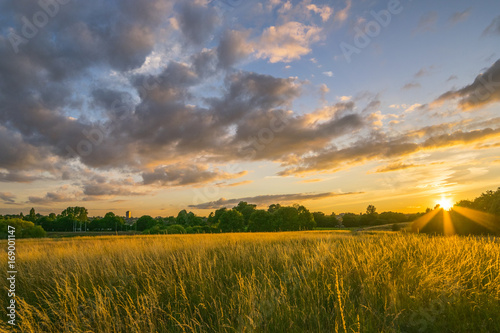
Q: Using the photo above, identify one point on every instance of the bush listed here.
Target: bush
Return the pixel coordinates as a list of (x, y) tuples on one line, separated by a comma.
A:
[(176, 229), (24, 229)]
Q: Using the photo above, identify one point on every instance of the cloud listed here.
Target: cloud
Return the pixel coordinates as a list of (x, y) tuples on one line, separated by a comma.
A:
[(287, 42), (181, 175), (424, 71), (379, 147), (483, 91), (7, 197), (411, 85), (458, 17), (52, 197), (328, 73), (324, 11), (342, 15), (426, 23), (197, 21), (395, 167), (493, 28), (264, 200)]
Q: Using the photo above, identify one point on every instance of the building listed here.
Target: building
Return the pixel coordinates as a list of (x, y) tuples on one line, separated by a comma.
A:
[(128, 214)]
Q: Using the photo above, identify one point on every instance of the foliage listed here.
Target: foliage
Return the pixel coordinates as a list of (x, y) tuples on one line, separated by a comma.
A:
[(23, 229), (145, 222), (231, 221), (176, 229)]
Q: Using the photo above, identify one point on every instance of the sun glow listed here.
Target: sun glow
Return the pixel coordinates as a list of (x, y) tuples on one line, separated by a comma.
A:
[(445, 203)]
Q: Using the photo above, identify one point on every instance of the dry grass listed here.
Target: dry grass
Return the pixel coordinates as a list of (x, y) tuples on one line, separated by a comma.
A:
[(269, 282)]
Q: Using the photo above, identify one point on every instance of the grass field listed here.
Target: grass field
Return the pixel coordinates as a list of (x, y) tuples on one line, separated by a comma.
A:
[(318, 281)]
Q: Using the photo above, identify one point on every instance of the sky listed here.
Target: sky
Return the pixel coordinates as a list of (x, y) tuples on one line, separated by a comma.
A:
[(159, 105)]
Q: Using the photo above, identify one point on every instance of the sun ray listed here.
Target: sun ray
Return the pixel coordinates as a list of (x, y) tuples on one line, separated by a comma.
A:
[(448, 228), (422, 221), (482, 218)]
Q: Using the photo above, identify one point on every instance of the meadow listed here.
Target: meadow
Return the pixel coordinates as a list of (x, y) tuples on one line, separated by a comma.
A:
[(314, 281)]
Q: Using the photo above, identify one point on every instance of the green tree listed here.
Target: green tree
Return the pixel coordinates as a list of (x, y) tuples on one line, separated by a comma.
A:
[(32, 216), (371, 210), (24, 229), (273, 207), (260, 221), (145, 222), (306, 218), (286, 219), (231, 221), (246, 210)]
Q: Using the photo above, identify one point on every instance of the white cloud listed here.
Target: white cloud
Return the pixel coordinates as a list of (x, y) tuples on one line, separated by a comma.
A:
[(287, 42), (324, 11)]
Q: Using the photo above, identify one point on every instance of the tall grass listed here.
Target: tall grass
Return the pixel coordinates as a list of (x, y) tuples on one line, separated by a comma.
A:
[(269, 282)]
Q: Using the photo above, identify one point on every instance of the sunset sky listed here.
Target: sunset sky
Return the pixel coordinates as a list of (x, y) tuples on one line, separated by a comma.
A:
[(156, 106)]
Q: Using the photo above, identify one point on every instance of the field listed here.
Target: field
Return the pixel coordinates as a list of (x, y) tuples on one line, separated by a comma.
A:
[(318, 281)]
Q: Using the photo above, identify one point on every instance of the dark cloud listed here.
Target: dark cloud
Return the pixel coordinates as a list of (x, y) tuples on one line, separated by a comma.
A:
[(7, 197), (484, 90), (197, 22), (493, 28), (332, 159), (264, 200), (232, 48), (52, 197), (186, 175), (395, 167)]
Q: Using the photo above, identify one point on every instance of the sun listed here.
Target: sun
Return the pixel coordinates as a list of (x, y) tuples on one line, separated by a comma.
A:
[(445, 203)]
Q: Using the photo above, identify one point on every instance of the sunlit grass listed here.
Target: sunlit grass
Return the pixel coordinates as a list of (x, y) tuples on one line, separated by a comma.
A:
[(266, 282)]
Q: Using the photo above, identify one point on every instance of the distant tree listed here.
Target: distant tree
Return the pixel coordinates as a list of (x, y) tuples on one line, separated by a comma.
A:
[(273, 207), (32, 216), (176, 229), (286, 219), (246, 210), (231, 221), (24, 229), (214, 218), (306, 219), (260, 221), (350, 220), (324, 221), (371, 210), (145, 222)]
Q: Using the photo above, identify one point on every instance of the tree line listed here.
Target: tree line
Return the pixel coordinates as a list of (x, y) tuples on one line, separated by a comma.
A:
[(244, 217)]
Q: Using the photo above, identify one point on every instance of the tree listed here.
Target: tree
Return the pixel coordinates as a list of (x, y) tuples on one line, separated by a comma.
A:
[(24, 229), (259, 221), (145, 222), (350, 220), (371, 210), (306, 219), (32, 216), (231, 221), (286, 219), (214, 218), (246, 210), (274, 207)]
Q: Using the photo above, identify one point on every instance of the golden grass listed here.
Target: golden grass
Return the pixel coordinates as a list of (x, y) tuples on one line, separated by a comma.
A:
[(266, 282)]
